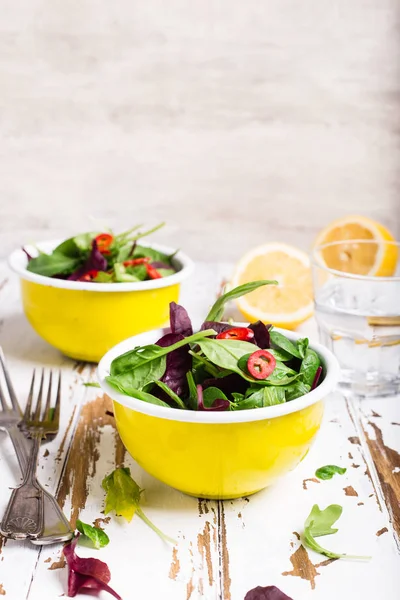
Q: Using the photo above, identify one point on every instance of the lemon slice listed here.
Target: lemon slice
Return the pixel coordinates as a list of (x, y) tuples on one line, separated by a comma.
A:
[(362, 259), (285, 305)]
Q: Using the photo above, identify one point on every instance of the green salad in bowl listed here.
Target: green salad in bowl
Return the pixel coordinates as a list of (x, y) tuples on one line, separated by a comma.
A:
[(104, 257), (221, 367)]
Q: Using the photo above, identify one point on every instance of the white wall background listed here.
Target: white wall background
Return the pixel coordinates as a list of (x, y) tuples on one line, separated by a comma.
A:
[(236, 121)]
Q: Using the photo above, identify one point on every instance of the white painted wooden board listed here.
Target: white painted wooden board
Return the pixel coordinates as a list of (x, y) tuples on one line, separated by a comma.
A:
[(224, 549)]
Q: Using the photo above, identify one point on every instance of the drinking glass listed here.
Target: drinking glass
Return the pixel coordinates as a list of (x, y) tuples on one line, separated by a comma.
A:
[(358, 312)]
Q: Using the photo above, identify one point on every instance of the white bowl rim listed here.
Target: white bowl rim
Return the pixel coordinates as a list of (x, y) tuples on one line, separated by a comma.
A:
[(330, 363), (18, 261)]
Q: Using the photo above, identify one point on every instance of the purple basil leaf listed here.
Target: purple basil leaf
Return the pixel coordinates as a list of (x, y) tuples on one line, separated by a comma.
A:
[(158, 264), (216, 325), (316, 378), (86, 573), (179, 320), (179, 362), (227, 385), (218, 405), (271, 592), (261, 334), (94, 262)]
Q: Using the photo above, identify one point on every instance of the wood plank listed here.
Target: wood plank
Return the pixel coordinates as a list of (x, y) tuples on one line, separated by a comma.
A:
[(379, 422), (263, 530)]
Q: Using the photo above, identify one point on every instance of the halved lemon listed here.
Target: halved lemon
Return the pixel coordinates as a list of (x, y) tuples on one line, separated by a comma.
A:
[(285, 305), (374, 259)]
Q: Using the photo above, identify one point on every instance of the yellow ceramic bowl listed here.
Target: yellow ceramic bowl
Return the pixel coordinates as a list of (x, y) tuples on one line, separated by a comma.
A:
[(218, 454), (84, 320)]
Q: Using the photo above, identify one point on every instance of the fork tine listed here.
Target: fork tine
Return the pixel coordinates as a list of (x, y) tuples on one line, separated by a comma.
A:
[(56, 415), (38, 409), (3, 400), (27, 413), (46, 415), (11, 392)]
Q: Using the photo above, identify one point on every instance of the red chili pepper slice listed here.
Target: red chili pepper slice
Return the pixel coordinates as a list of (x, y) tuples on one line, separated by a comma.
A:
[(89, 276), (152, 272), (237, 333), (104, 241), (136, 261), (261, 364)]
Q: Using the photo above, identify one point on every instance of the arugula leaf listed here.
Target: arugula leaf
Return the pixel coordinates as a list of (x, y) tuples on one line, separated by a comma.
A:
[(283, 342), (217, 310), (52, 264), (318, 523), (98, 537), (123, 497), (103, 277), (91, 384), (329, 471), (309, 366)]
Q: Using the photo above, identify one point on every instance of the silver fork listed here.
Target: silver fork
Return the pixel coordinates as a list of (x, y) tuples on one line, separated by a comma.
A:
[(56, 526)]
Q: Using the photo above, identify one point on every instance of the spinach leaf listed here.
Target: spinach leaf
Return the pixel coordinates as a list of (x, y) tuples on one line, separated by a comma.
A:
[(207, 365), (329, 471), (135, 379), (192, 390), (143, 354), (123, 497), (282, 379), (154, 255), (70, 249), (226, 353), (215, 402), (165, 388), (283, 342), (265, 396), (138, 271), (140, 395), (211, 394), (98, 537), (84, 241), (302, 345), (217, 310), (318, 523), (166, 272), (309, 366), (52, 264), (295, 390)]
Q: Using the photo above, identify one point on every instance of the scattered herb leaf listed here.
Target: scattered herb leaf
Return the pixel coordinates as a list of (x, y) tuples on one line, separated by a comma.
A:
[(98, 537), (329, 471)]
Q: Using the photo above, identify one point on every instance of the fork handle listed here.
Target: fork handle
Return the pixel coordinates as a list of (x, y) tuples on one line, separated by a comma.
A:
[(24, 516)]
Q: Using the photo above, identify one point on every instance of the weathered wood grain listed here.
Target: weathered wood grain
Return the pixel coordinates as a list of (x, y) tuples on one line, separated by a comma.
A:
[(224, 548)]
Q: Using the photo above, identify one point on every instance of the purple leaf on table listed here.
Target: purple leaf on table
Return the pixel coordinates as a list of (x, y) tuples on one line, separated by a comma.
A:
[(90, 574), (271, 592)]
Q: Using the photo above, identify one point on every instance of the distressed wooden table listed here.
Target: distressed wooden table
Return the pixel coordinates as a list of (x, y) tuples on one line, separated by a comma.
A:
[(224, 548)]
